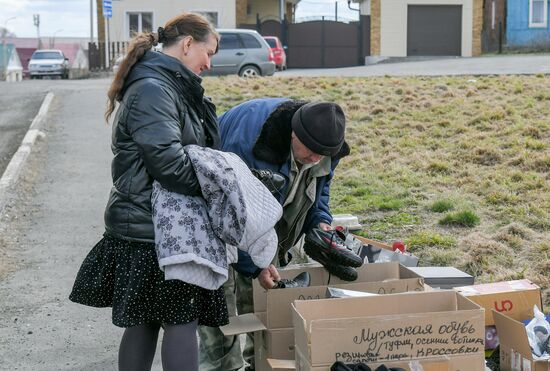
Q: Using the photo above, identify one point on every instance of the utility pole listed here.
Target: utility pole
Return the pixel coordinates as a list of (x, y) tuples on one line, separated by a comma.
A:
[(91, 21), (36, 20), (54, 34), (336, 11)]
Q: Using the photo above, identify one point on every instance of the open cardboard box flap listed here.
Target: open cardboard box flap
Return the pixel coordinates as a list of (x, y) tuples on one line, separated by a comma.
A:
[(281, 364), (512, 334), (244, 323)]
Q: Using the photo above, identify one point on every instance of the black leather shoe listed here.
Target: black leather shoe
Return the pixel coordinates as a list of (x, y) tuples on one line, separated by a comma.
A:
[(273, 181), (301, 280), (329, 243), (341, 271)]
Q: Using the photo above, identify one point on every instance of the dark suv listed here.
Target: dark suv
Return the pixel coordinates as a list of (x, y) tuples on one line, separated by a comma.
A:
[(242, 52)]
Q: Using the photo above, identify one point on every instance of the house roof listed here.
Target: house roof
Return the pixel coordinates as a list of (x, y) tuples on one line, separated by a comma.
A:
[(69, 50), (32, 42), (24, 55)]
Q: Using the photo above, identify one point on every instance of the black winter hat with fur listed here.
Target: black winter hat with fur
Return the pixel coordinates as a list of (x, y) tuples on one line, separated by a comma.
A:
[(320, 126)]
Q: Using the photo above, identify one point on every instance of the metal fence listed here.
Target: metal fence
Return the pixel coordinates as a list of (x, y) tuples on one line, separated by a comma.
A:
[(101, 56)]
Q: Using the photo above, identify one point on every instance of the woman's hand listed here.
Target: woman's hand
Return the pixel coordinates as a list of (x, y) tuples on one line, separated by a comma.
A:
[(268, 277)]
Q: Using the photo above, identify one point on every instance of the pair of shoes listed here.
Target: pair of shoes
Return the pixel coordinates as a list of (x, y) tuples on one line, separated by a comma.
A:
[(341, 366), (327, 248), (273, 181), (330, 243), (301, 280)]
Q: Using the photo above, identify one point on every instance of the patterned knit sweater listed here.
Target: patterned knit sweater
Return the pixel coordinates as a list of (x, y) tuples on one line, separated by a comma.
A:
[(196, 238)]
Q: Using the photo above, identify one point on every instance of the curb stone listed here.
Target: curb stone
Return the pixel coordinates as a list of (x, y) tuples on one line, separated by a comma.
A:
[(17, 162)]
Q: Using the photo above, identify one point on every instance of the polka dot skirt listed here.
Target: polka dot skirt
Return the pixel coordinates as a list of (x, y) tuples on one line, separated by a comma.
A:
[(125, 275)]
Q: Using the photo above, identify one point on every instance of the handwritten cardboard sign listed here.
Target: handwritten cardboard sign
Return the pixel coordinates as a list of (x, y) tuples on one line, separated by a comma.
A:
[(388, 327)]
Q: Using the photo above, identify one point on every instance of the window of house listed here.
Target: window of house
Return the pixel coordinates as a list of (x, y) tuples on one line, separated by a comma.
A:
[(139, 22), (538, 13), (250, 41), (229, 41), (212, 17)]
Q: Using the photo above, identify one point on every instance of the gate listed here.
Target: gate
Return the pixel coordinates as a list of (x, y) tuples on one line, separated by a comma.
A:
[(321, 44)]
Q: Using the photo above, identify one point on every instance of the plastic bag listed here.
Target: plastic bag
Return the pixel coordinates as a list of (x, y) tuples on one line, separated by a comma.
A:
[(538, 333)]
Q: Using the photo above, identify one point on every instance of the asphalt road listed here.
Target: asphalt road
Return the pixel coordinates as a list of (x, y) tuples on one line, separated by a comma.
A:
[(51, 232), (19, 106)]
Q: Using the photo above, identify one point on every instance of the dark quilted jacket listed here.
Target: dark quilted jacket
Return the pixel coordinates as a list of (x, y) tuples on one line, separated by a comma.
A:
[(162, 110)]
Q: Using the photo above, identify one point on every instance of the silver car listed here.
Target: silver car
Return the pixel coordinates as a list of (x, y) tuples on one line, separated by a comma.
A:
[(48, 63), (242, 52)]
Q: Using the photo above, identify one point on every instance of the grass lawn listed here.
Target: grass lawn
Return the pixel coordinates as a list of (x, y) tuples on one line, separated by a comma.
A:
[(457, 167)]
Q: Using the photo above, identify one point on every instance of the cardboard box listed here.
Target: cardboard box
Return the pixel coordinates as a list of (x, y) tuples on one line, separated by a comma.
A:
[(279, 343), (321, 277), (515, 352), (388, 327), (444, 277), (279, 311), (514, 298), (275, 326), (281, 364), (455, 363)]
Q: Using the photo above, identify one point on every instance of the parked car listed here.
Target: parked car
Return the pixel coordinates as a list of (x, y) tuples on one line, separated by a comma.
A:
[(279, 54), (48, 62), (242, 52)]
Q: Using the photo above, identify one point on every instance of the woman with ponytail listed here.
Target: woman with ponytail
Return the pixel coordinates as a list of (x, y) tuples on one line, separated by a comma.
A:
[(161, 109)]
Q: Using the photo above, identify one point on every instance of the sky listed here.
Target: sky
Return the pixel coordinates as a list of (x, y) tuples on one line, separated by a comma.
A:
[(71, 18)]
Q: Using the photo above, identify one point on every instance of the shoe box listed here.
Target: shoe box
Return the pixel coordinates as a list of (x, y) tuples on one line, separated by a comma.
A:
[(272, 322), (444, 277), (444, 363), (513, 298), (386, 328)]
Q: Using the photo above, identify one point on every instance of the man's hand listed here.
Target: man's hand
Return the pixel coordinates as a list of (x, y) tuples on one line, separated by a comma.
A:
[(268, 277), (325, 226)]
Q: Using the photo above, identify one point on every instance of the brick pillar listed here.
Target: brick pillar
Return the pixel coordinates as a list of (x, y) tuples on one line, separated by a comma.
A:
[(240, 13), (375, 11), (100, 22), (289, 11), (477, 27)]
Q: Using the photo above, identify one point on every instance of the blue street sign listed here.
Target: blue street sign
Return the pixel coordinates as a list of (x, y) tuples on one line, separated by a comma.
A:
[(107, 8)]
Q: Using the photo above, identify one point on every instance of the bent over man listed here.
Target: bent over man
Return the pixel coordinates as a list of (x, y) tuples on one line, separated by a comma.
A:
[(293, 146)]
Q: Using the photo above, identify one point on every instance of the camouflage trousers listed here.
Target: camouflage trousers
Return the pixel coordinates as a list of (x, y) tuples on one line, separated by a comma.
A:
[(223, 353)]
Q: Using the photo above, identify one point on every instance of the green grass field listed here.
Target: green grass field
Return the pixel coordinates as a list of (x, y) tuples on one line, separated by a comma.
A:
[(457, 167)]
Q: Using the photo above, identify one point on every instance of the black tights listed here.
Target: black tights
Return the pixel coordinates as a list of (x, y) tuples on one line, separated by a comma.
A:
[(179, 347)]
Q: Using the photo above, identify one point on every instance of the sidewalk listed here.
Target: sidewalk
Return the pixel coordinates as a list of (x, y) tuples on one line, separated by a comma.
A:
[(487, 65), (39, 328)]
